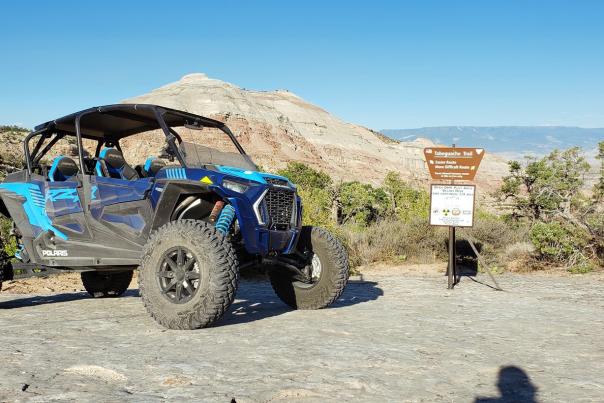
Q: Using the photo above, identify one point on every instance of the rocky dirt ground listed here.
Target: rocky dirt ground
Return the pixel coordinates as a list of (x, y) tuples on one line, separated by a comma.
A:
[(393, 336)]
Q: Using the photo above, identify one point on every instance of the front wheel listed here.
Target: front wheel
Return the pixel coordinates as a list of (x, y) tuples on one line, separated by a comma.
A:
[(327, 266), (188, 275)]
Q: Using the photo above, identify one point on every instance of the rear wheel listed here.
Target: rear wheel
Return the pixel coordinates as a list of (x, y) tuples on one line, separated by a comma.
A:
[(188, 275), (326, 265), (106, 284)]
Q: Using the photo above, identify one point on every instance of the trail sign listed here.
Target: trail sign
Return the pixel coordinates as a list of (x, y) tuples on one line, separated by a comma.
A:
[(452, 205), (453, 163)]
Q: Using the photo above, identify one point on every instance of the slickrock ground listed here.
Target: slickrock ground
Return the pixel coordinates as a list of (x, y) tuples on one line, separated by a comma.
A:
[(391, 337)]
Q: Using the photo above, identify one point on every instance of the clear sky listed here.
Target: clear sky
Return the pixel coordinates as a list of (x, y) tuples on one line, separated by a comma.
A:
[(380, 64)]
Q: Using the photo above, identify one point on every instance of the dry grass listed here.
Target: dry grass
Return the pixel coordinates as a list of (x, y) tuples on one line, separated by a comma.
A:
[(394, 241), (418, 242)]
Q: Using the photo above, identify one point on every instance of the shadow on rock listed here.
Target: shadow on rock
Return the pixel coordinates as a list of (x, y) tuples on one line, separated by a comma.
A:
[(514, 386), (256, 300), (357, 292), (52, 299)]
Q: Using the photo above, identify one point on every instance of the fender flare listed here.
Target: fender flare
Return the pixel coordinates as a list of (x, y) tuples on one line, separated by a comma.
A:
[(178, 196)]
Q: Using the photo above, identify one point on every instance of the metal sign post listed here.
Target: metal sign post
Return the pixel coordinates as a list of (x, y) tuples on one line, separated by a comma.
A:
[(451, 269), (452, 205)]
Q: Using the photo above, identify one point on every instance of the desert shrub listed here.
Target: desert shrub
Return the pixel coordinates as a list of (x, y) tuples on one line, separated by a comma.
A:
[(13, 128), (407, 202), (305, 176), (315, 189), (394, 241), (545, 188), (562, 243), (316, 207), (566, 224), (598, 189), (8, 244), (595, 224), (361, 203), (493, 235), (519, 251), (555, 241)]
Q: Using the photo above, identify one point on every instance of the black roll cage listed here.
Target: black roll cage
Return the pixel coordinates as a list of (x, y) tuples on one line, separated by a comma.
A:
[(49, 129)]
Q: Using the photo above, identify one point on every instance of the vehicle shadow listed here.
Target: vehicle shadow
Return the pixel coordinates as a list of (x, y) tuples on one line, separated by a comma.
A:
[(256, 300), (53, 299), (514, 386)]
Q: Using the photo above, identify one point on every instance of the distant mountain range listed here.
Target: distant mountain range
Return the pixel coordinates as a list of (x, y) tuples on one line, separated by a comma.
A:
[(509, 141)]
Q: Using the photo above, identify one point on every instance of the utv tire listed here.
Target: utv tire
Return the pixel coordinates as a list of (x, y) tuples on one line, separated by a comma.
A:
[(203, 266), (333, 273), (106, 284)]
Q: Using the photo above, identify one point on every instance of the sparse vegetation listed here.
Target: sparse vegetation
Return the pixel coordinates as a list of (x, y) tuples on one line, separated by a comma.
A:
[(12, 128), (566, 224), (10, 160), (552, 221), (389, 223)]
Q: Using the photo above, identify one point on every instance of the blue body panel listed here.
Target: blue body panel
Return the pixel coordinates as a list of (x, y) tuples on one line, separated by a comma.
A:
[(56, 206), (257, 238), (34, 205)]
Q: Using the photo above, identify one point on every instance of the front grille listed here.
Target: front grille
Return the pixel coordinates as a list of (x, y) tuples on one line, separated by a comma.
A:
[(279, 207), (276, 181)]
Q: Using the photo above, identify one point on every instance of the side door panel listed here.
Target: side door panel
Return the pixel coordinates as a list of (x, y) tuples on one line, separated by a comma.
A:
[(50, 218), (122, 208), (64, 208)]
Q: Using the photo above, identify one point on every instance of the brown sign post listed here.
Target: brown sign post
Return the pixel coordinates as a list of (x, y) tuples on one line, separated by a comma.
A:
[(451, 164)]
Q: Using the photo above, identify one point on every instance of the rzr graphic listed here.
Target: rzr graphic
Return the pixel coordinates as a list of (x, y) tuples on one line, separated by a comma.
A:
[(189, 218)]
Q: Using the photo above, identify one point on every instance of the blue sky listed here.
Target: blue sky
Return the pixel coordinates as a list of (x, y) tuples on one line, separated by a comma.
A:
[(380, 64)]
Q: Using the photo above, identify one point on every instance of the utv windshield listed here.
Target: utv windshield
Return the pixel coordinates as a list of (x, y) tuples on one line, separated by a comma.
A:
[(204, 145), (196, 155)]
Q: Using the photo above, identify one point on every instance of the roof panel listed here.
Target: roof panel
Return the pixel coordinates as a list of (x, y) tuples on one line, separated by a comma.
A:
[(122, 120)]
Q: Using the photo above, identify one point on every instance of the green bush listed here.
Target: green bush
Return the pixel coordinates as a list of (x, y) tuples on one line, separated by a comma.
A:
[(305, 177), (562, 243), (361, 203), (316, 207), (552, 240), (407, 203), (8, 244)]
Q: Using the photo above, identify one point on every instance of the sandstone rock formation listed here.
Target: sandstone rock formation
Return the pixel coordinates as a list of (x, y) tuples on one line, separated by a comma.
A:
[(278, 126)]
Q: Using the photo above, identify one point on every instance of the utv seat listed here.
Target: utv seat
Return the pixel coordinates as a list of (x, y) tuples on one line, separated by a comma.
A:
[(152, 167), (62, 168), (111, 164)]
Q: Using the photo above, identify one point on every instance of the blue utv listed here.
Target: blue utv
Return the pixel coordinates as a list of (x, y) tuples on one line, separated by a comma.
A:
[(188, 219)]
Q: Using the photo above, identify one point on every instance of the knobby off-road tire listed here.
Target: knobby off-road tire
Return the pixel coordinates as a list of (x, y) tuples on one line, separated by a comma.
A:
[(215, 268), (106, 284), (334, 272)]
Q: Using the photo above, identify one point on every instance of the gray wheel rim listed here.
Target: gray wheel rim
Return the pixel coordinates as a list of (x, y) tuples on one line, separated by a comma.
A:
[(178, 275)]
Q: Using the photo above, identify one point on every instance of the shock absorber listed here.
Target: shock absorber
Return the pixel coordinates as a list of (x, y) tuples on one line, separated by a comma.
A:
[(216, 210), (225, 220)]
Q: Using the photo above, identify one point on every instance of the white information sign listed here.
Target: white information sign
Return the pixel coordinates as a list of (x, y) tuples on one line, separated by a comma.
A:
[(452, 205)]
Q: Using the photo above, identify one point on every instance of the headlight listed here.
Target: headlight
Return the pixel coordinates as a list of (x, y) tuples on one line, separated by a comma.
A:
[(235, 186)]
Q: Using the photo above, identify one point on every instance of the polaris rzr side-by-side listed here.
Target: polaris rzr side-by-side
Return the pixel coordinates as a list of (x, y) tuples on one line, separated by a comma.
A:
[(188, 219)]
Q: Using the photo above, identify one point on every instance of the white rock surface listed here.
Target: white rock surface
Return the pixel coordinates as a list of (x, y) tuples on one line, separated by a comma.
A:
[(391, 338)]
